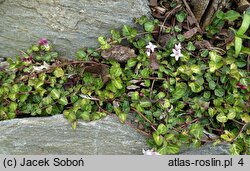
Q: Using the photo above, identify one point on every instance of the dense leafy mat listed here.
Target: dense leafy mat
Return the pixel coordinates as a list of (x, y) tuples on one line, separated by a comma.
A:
[(182, 88)]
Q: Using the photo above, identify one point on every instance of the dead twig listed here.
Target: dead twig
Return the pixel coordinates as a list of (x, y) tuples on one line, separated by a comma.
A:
[(192, 15), (146, 119), (241, 130)]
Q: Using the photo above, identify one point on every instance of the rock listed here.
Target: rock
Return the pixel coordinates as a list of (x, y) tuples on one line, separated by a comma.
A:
[(68, 24), (54, 135), (208, 149)]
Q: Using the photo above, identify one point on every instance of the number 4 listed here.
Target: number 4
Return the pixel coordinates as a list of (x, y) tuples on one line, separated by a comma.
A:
[(241, 162)]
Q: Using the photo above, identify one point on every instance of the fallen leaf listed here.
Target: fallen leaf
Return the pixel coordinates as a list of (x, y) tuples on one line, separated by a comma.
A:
[(204, 44), (154, 64), (118, 53), (99, 70), (190, 33)]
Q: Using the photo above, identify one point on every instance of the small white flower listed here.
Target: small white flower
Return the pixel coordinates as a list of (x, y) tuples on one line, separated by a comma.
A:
[(177, 47), (177, 54), (150, 152), (151, 46), (163, 116)]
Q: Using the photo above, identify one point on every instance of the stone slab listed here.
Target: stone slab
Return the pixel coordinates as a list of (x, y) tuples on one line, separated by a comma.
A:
[(68, 24)]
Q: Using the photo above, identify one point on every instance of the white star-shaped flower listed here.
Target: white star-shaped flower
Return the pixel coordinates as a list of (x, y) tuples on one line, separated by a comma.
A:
[(177, 47), (151, 46), (150, 152), (177, 54)]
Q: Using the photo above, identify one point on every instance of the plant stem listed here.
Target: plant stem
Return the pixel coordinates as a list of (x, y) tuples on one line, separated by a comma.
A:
[(146, 119), (241, 130)]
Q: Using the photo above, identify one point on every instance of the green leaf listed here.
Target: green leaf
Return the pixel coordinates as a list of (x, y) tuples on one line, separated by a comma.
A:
[(35, 48), (215, 57), (169, 137), (38, 84), (12, 96), (49, 109), (190, 46), (55, 94), (180, 16), (231, 15), (81, 55), (162, 129), (71, 117), (115, 70), (227, 136), (116, 36), (236, 148), (58, 72), (196, 130), (145, 104), (13, 106), (103, 42), (245, 117), (73, 125), (195, 87), (132, 62), (245, 23), (220, 92), (129, 32), (117, 83), (15, 88), (23, 97), (238, 42), (47, 100), (222, 118), (158, 139), (63, 101), (85, 116), (135, 95), (149, 26), (180, 90), (195, 69), (11, 115), (213, 66), (122, 117), (169, 149), (143, 19), (231, 113), (161, 95), (212, 85), (211, 112)]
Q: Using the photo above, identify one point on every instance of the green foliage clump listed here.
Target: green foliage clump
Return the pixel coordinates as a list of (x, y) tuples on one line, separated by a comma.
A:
[(176, 102)]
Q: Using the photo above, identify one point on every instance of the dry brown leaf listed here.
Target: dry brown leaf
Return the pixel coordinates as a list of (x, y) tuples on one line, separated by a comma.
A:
[(153, 61), (99, 70), (190, 33), (204, 44), (119, 53)]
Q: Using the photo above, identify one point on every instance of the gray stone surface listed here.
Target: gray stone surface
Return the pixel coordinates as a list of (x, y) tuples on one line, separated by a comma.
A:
[(69, 24), (208, 149), (54, 135)]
